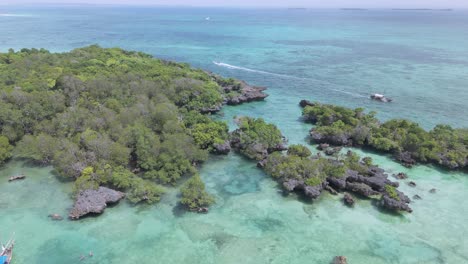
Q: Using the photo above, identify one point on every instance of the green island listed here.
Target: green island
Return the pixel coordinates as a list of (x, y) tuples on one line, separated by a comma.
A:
[(115, 122), (406, 140), (298, 170)]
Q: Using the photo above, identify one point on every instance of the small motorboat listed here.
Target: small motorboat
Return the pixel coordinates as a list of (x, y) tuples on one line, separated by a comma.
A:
[(380, 98), (7, 252)]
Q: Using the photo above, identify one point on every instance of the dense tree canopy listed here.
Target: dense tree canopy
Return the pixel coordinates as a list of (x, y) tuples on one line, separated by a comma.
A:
[(442, 145), (194, 195), (255, 138), (108, 116)]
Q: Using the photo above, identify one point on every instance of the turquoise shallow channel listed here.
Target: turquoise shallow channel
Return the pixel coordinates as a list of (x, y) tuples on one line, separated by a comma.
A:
[(419, 58)]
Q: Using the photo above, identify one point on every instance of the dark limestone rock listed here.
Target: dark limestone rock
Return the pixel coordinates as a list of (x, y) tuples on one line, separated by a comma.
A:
[(401, 176), (360, 188), (304, 103), (417, 197), (340, 260), (292, 184), (246, 93), (377, 182), (323, 146), (313, 191), (405, 158), (261, 152), (331, 190), (448, 162), (223, 149), (94, 201), (211, 110), (309, 191), (412, 184), (279, 147), (338, 183), (395, 205), (433, 190), (335, 139), (348, 200), (332, 151), (261, 164)]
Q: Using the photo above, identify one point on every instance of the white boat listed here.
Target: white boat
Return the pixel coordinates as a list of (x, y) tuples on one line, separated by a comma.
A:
[(380, 98)]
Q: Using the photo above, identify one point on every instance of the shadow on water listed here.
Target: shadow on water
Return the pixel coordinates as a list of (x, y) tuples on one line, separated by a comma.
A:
[(179, 210)]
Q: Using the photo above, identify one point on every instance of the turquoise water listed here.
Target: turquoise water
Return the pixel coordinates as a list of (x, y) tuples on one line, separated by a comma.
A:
[(418, 58)]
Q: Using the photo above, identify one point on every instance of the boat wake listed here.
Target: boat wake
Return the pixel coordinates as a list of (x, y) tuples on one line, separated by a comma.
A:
[(233, 67), (322, 83)]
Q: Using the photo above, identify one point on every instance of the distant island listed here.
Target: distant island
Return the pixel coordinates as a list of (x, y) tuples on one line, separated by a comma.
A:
[(421, 9), (354, 9)]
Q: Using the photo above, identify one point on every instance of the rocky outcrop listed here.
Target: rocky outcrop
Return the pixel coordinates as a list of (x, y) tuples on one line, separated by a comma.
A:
[(223, 148), (399, 203), (278, 147), (432, 190), (211, 110), (342, 139), (261, 164), (348, 200), (361, 188), (304, 103), (337, 183), (416, 197), (331, 190), (332, 151), (412, 184), (94, 201), (340, 260), (323, 146), (401, 176), (309, 191), (243, 93), (405, 158), (377, 182)]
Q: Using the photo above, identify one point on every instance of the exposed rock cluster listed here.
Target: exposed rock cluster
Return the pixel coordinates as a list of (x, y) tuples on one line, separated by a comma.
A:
[(94, 201)]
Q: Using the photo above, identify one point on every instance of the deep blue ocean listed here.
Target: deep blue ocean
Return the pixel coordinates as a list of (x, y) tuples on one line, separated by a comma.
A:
[(418, 58)]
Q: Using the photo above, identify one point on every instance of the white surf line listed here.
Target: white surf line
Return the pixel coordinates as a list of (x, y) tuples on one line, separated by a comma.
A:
[(233, 67)]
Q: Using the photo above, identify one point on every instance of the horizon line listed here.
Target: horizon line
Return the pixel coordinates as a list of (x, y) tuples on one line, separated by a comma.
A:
[(234, 6)]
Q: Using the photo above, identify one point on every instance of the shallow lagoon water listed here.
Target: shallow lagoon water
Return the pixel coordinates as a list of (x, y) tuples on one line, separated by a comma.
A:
[(252, 222), (419, 58)]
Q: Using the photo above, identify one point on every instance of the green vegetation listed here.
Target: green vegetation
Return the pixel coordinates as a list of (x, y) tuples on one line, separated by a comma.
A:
[(255, 138), (313, 170), (391, 191), (5, 149), (194, 195), (109, 117), (443, 145), (299, 150)]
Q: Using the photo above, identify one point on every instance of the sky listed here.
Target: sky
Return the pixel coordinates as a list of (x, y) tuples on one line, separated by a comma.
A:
[(267, 3)]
